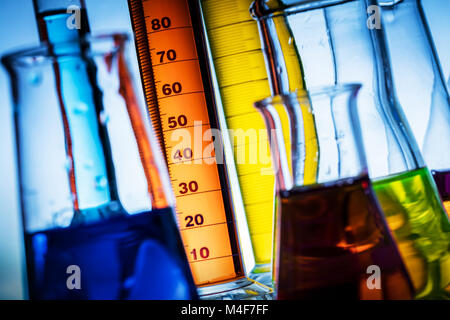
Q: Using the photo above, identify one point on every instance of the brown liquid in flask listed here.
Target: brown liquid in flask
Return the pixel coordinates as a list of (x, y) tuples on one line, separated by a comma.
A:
[(335, 244)]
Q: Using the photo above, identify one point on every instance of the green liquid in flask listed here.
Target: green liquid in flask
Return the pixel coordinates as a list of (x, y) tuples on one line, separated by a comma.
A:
[(422, 230)]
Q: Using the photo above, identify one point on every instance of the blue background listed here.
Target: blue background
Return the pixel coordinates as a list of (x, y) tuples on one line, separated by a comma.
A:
[(18, 30)]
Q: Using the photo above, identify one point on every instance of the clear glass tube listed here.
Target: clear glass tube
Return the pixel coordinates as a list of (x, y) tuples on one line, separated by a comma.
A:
[(336, 222), (94, 187), (336, 44)]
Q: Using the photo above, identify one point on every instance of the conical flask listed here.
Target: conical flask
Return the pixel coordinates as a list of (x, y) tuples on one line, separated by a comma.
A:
[(336, 42), (331, 239), (95, 192), (419, 84), (238, 62)]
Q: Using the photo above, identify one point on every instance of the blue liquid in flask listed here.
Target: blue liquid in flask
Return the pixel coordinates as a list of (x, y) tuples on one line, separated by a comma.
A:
[(138, 256), (128, 257)]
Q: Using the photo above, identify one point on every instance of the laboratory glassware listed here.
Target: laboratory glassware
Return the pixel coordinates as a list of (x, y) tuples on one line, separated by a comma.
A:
[(330, 235), (95, 194), (179, 92), (61, 20), (420, 84), (335, 42)]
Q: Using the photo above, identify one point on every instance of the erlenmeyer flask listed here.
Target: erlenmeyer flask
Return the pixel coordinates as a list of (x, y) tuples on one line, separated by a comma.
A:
[(420, 85), (337, 43), (180, 96), (331, 239), (61, 20), (239, 68), (96, 198)]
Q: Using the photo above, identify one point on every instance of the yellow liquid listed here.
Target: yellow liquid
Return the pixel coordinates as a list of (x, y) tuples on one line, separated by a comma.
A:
[(242, 76)]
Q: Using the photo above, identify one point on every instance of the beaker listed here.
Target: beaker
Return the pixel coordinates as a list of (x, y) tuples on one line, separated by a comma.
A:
[(331, 239), (420, 84), (336, 42), (96, 200)]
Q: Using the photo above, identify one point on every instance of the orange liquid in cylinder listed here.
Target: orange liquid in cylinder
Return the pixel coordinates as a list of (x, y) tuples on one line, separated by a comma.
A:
[(180, 105)]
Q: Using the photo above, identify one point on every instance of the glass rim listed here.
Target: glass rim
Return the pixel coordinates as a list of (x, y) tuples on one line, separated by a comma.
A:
[(42, 53), (304, 94), (291, 8)]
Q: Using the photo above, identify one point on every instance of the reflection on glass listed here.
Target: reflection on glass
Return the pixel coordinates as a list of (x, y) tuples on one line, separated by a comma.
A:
[(420, 85)]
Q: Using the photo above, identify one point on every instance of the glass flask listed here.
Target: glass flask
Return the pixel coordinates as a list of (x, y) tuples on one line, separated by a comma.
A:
[(330, 235), (96, 199), (420, 85), (337, 41), (241, 75)]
